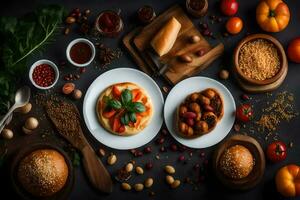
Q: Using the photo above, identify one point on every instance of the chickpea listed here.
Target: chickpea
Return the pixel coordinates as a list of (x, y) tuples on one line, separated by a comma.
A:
[(194, 96), (190, 131), (209, 93), (183, 127), (202, 126), (195, 107), (204, 100), (183, 109)]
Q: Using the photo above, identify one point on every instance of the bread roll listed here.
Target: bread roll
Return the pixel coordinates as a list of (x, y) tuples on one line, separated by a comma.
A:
[(164, 40), (43, 172), (236, 162)]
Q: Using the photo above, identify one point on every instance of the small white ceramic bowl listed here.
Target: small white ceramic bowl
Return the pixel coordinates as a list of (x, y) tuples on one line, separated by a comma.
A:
[(39, 62), (77, 41)]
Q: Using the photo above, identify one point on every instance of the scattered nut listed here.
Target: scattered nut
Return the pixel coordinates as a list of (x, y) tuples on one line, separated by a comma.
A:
[(77, 94), (25, 109), (67, 31), (26, 131), (148, 182), (138, 187), (200, 52), (101, 152), (31, 123), (186, 58), (175, 184), (169, 179), (169, 169), (70, 20), (139, 170), (68, 88), (112, 159), (195, 39), (7, 134), (224, 74), (129, 167), (126, 186)]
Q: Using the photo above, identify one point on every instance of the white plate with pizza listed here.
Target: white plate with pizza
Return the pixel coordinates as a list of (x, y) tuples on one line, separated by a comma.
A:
[(123, 108), (181, 96)]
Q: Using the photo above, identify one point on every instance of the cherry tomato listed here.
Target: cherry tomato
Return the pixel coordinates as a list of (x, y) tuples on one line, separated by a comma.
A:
[(229, 7), (276, 151), (293, 50), (234, 25), (244, 113)]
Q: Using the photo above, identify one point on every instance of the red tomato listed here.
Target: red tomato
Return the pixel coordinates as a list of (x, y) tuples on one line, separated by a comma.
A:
[(276, 151), (121, 129), (293, 50), (234, 25), (109, 114), (116, 92), (244, 113), (229, 7)]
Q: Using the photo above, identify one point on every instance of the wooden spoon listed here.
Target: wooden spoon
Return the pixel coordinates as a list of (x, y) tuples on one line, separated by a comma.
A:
[(66, 118)]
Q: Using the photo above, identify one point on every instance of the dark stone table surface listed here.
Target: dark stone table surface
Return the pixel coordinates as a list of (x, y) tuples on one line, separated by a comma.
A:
[(210, 188)]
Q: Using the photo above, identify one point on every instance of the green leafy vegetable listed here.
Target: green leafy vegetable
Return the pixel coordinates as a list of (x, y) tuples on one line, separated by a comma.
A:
[(115, 104), (20, 38), (132, 117), (125, 119), (138, 107), (126, 97)]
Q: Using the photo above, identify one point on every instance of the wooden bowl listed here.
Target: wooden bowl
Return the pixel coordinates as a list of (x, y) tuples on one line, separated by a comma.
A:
[(281, 53), (24, 151), (259, 162)]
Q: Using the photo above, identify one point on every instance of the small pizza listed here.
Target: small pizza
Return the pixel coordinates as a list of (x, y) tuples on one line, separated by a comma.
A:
[(199, 113), (124, 109)]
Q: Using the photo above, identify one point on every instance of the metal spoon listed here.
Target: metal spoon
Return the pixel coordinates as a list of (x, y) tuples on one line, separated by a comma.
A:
[(21, 99)]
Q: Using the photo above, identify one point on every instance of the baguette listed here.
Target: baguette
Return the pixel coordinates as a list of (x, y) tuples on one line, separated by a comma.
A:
[(164, 40)]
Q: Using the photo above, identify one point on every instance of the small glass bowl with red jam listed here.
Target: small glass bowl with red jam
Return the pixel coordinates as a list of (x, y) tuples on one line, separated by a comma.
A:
[(197, 8), (43, 74), (109, 23), (80, 52)]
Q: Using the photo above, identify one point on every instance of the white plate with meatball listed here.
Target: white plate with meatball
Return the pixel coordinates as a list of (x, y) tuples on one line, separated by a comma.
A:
[(179, 93)]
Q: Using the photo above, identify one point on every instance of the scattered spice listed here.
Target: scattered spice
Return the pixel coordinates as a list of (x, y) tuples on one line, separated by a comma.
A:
[(107, 55), (282, 109), (122, 175), (259, 59), (165, 89), (43, 75)]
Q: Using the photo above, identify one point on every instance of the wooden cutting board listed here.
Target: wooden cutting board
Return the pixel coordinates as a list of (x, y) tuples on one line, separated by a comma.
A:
[(137, 43)]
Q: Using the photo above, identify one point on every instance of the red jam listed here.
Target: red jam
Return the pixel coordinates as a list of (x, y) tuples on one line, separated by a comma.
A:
[(43, 75), (146, 14), (110, 23), (81, 53), (197, 4)]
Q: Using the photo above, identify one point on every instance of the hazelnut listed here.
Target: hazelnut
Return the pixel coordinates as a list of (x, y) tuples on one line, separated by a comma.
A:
[(126, 186), (195, 39), (195, 107), (198, 117), (67, 31), (175, 184), (186, 58), (31, 123), (68, 88), (182, 109), (112, 159), (148, 182), (200, 52), (224, 74), (208, 108), (194, 96), (70, 20), (169, 179), (101, 152), (26, 130), (129, 167), (138, 187), (169, 169), (139, 170), (77, 94), (25, 109), (209, 93), (7, 134)]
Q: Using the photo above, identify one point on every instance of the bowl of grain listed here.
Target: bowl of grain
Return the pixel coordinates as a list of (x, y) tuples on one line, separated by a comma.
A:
[(259, 59)]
